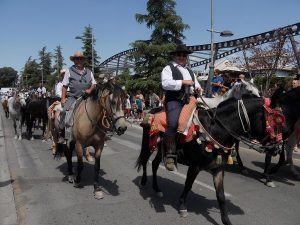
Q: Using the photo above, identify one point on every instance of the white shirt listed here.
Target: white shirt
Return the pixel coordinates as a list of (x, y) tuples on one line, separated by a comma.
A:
[(58, 89), (41, 90), (175, 85), (65, 81)]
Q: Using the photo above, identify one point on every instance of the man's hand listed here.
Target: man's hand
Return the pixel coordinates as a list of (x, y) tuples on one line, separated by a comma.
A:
[(199, 90), (62, 102), (188, 82), (88, 91)]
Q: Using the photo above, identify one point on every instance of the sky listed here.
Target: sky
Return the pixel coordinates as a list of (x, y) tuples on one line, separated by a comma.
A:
[(29, 25)]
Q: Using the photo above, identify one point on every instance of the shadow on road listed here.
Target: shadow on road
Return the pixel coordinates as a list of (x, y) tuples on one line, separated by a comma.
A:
[(5, 183), (196, 203), (109, 187), (281, 177)]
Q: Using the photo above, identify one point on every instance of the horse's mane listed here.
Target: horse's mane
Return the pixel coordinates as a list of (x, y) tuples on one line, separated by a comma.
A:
[(115, 89), (236, 92), (243, 88)]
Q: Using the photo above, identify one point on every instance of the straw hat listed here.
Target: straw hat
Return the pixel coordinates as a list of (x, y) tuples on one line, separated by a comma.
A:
[(181, 49), (77, 54)]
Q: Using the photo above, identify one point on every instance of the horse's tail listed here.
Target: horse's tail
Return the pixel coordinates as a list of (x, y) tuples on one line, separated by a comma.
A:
[(145, 150)]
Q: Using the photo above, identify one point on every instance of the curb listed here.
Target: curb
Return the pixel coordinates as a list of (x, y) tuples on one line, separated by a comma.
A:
[(8, 215)]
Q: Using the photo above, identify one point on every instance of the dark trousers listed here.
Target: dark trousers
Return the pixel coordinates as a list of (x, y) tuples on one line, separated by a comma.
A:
[(173, 112)]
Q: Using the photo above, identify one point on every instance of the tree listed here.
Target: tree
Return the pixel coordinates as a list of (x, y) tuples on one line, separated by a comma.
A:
[(266, 59), (45, 64), (152, 55), (8, 76), (31, 73), (87, 48), (58, 60)]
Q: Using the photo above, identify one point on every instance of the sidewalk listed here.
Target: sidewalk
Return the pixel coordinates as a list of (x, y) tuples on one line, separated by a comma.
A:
[(8, 214)]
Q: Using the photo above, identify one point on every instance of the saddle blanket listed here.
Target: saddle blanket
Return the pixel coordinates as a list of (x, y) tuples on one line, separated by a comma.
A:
[(158, 123)]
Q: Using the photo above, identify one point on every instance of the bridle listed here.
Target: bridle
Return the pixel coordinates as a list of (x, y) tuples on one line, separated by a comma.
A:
[(107, 121), (262, 146)]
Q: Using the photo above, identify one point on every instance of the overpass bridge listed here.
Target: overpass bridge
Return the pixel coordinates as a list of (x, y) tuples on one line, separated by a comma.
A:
[(201, 53)]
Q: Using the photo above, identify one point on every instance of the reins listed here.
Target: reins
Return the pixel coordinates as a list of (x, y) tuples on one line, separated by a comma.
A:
[(241, 109)]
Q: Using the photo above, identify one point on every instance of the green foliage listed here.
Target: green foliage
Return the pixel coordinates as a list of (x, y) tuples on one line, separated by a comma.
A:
[(31, 73), (87, 48), (153, 55), (8, 76), (260, 81), (58, 60), (45, 64)]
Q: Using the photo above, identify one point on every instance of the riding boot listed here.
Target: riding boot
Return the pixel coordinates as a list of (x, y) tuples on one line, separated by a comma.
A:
[(62, 127), (169, 145)]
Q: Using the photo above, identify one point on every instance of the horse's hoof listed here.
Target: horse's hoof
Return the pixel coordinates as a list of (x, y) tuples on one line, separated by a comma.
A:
[(271, 184), (159, 194), (32, 139), (20, 138), (71, 179), (98, 195), (244, 171), (183, 213), (16, 137), (78, 185), (44, 140)]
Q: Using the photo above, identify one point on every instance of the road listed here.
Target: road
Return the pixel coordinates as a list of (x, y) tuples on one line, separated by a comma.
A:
[(42, 195)]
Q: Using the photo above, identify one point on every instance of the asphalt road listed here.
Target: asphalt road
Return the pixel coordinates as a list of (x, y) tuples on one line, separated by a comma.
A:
[(42, 195)]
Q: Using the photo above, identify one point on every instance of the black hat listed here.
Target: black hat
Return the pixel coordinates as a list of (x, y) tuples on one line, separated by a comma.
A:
[(182, 49)]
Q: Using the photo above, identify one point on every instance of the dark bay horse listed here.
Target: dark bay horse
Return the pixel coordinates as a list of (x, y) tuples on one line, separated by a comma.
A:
[(289, 102), (93, 117), (220, 123), (5, 107), (38, 109)]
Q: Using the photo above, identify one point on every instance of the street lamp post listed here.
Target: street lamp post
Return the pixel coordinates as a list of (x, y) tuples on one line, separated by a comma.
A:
[(92, 38), (225, 33)]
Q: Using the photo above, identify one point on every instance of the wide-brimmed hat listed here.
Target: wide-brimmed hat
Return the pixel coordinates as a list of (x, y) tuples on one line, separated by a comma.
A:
[(181, 49), (77, 54)]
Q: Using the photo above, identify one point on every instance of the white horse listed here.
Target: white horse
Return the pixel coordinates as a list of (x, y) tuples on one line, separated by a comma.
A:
[(15, 105)]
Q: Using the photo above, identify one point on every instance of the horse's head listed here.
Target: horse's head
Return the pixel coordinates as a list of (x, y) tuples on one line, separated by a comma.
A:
[(112, 98), (244, 117), (20, 99)]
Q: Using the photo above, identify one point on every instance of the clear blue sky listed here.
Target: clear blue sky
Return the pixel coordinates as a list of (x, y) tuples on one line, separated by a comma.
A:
[(28, 25)]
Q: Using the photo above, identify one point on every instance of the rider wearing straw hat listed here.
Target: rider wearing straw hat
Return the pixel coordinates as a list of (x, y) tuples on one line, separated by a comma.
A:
[(79, 80), (177, 81)]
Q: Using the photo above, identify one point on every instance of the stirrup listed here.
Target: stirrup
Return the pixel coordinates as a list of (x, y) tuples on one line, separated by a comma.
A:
[(170, 161)]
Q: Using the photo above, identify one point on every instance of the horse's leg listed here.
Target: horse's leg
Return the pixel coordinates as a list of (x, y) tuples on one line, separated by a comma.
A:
[(190, 178), (266, 174), (15, 127), (280, 162), (293, 141), (79, 152), (239, 160), (218, 177), (68, 154), (155, 165), (20, 129), (98, 194)]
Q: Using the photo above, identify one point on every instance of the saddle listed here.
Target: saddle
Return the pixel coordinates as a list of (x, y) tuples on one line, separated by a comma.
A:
[(187, 124)]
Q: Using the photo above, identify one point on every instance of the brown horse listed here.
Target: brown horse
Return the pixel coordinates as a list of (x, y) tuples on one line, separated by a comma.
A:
[(93, 117), (5, 107)]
